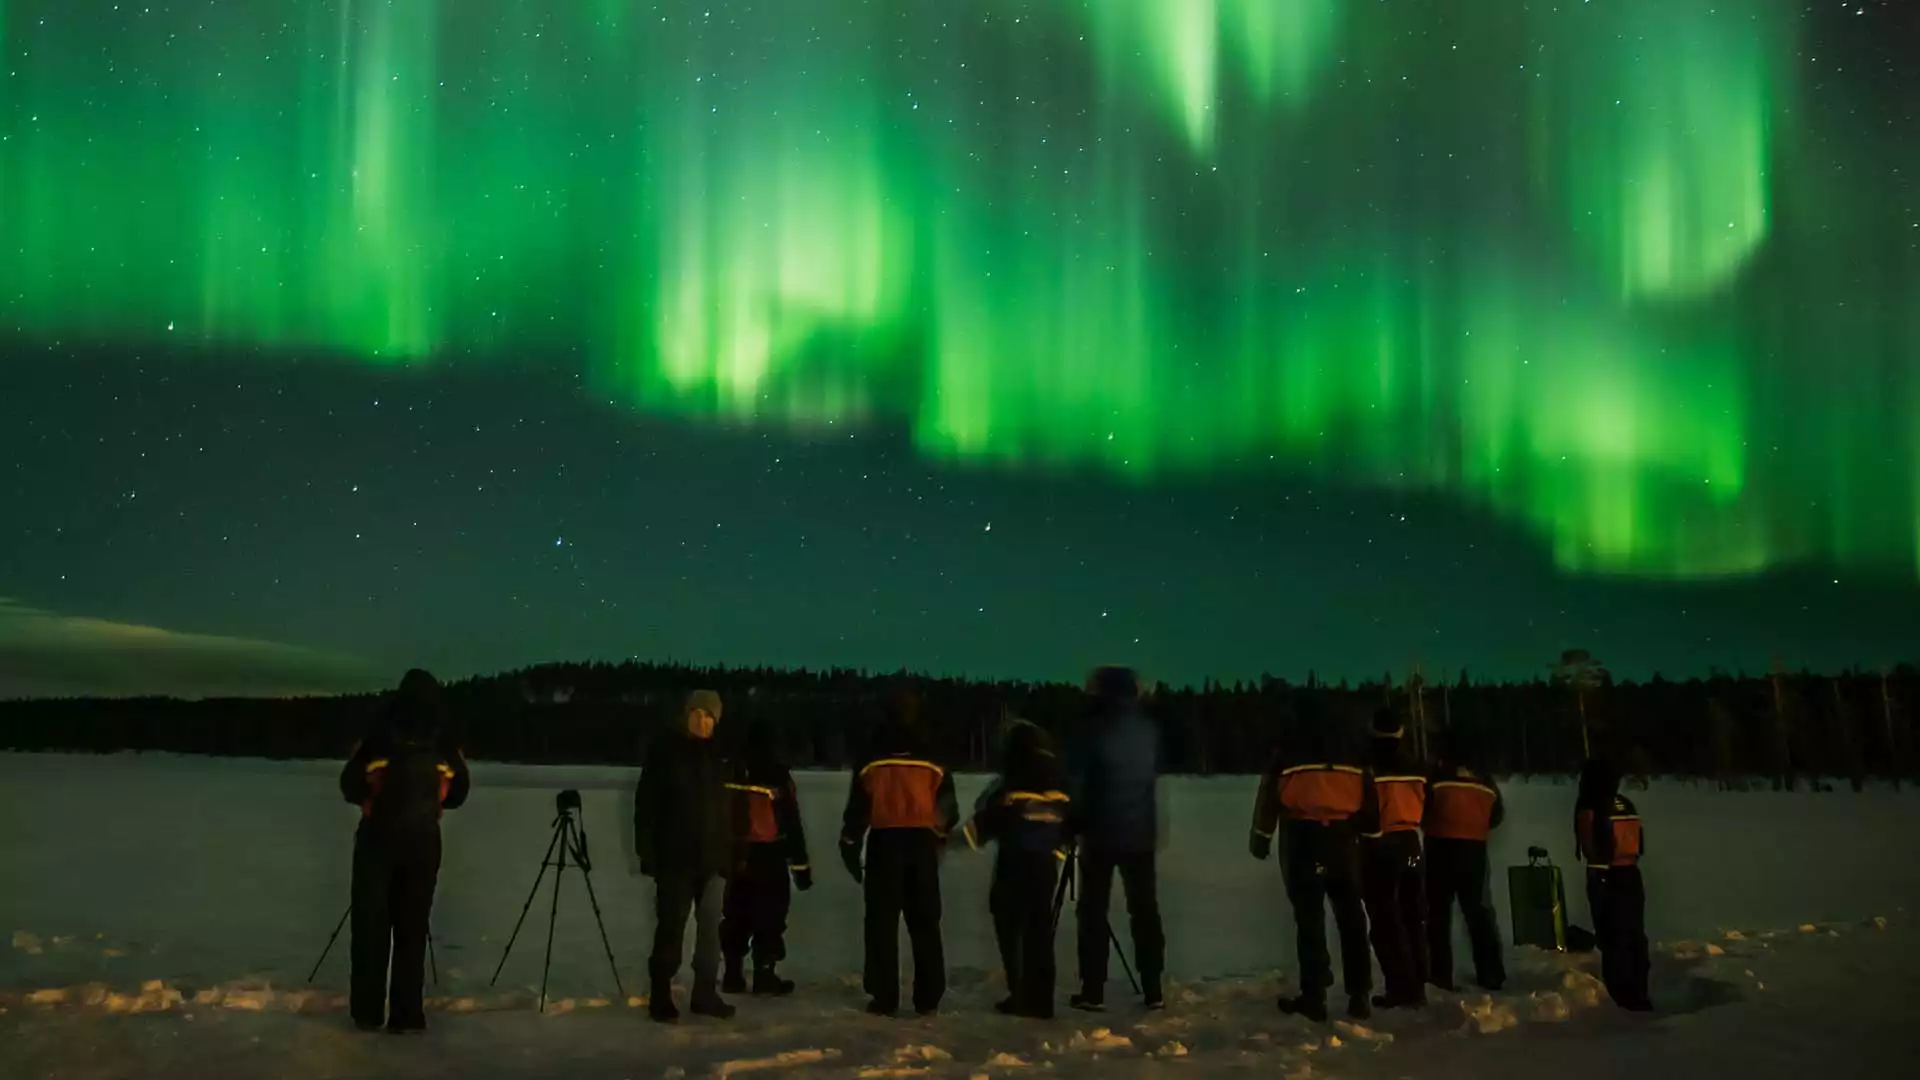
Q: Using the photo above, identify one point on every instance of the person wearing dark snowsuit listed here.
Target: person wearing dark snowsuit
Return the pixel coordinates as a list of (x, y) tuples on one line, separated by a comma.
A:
[(1391, 871), (1024, 812), (1114, 772), (900, 809), (1463, 806), (1610, 839), (1317, 798), (754, 917), (684, 833), (401, 776)]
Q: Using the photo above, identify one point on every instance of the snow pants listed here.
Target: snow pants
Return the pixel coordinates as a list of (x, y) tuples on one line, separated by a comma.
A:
[(393, 880), (1617, 898), (1394, 884), (1457, 870), (754, 915), (674, 898), (1139, 880), (1022, 904), (1322, 866), (902, 879)]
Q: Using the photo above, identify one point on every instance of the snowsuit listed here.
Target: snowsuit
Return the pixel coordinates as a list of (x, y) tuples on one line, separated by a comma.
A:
[(900, 808), (1392, 875), (683, 829), (1462, 808), (1610, 838), (401, 777), (760, 893), (1318, 806), (1025, 813), (1114, 774)]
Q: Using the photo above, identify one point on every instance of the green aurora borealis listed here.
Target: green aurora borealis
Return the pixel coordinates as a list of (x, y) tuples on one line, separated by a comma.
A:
[(1621, 272)]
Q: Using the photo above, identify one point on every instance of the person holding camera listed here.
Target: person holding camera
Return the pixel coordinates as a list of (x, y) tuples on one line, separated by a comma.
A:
[(1025, 812), (401, 776), (683, 832)]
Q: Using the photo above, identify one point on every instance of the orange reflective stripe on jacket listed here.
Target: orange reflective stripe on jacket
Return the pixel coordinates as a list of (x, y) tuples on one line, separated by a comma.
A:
[(905, 793), (1403, 801), (763, 825), (1460, 810), (1321, 792)]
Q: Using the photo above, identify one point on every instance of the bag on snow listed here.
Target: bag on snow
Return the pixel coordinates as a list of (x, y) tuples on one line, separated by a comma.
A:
[(1538, 898)]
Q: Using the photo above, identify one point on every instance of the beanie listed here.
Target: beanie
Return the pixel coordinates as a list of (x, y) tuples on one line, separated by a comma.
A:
[(706, 701)]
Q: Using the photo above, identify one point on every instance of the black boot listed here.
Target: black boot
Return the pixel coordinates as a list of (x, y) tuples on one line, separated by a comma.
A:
[(1088, 1000), (660, 1005), (1357, 1007), (1007, 1007), (708, 1002), (1313, 1008), (1155, 997), (768, 983), (876, 1007), (735, 979)]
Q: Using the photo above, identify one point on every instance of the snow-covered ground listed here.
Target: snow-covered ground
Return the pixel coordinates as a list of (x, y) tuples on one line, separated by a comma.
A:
[(196, 893)]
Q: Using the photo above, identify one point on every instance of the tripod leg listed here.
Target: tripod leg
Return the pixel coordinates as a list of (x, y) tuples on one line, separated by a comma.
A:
[(524, 908), (1061, 890), (1122, 954), (553, 916), (335, 936), (433, 962), (586, 875)]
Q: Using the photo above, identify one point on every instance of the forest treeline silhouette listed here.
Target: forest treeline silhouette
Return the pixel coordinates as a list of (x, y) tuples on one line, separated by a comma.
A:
[(1738, 729)]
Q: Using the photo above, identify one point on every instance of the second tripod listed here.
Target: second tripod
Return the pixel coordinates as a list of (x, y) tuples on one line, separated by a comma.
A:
[(1065, 891), (569, 842)]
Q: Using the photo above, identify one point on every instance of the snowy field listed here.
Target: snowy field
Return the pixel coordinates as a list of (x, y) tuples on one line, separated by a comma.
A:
[(164, 913)]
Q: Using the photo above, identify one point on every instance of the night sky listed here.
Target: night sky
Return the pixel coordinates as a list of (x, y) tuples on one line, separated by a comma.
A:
[(996, 337)]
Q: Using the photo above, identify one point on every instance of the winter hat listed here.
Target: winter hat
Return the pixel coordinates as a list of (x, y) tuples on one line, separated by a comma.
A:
[(706, 701), (416, 708), (1114, 683), (1386, 724)]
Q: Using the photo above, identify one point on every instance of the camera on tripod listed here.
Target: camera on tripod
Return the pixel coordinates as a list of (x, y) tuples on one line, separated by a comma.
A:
[(567, 847)]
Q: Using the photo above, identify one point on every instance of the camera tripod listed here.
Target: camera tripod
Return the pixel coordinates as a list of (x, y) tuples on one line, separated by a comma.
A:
[(432, 962), (569, 838), (1065, 890)]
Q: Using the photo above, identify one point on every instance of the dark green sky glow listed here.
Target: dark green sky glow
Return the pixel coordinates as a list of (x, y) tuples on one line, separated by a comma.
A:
[(1633, 284)]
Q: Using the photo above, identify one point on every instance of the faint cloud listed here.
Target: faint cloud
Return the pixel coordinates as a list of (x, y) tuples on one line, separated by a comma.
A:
[(47, 654)]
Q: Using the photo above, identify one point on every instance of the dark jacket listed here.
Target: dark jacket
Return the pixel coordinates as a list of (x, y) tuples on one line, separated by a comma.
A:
[(767, 805), (403, 774), (683, 812), (401, 784), (1026, 809), (1114, 769)]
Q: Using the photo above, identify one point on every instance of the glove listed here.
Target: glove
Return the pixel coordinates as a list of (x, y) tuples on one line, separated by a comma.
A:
[(803, 878), (1260, 846), (850, 854), (646, 867)]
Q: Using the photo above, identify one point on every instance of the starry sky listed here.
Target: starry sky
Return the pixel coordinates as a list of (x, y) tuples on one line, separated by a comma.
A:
[(998, 337)]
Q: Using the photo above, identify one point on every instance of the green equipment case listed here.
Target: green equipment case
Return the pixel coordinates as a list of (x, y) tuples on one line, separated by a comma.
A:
[(1538, 897)]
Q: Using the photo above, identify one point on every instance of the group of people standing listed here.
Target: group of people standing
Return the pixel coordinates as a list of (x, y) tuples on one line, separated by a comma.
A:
[(1349, 824), (723, 842)]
